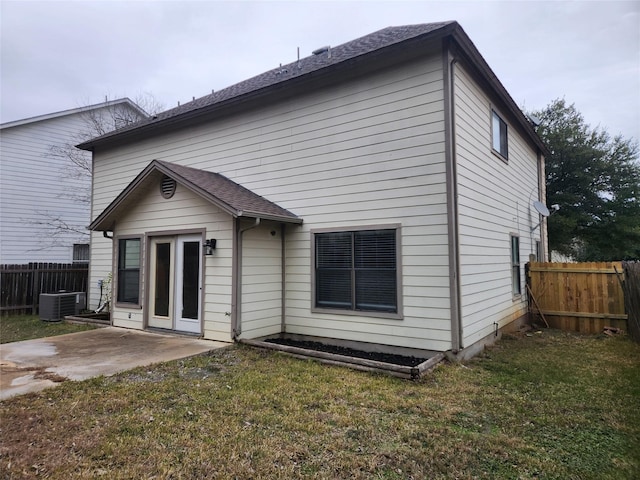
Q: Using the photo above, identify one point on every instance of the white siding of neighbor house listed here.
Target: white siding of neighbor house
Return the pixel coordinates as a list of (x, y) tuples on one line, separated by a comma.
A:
[(35, 185), (494, 201), (184, 211), (369, 151)]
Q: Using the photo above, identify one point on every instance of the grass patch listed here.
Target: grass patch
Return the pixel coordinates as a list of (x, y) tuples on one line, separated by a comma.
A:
[(26, 327), (552, 406)]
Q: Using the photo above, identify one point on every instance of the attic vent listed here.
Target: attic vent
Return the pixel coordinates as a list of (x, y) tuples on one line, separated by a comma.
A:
[(167, 187)]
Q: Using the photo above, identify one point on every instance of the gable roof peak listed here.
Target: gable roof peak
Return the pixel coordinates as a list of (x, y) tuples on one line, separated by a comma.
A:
[(217, 189), (87, 108)]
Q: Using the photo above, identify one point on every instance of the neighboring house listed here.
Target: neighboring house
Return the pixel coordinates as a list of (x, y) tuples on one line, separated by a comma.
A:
[(41, 190), (377, 193)]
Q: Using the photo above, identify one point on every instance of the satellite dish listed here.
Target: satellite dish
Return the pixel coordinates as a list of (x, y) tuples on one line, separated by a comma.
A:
[(534, 120), (541, 208)]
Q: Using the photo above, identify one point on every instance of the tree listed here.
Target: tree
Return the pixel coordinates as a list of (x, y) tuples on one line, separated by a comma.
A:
[(596, 181), (77, 163)]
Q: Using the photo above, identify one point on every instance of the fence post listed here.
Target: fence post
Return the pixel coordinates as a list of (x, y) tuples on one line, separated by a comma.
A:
[(631, 289), (34, 284)]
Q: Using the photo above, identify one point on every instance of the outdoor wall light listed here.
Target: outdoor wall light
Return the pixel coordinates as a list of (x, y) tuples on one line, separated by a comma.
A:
[(210, 246)]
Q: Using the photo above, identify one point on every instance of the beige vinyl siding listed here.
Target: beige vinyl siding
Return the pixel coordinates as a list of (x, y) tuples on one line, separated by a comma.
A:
[(261, 308), (369, 151), (100, 260), (494, 201), (112, 172), (184, 211)]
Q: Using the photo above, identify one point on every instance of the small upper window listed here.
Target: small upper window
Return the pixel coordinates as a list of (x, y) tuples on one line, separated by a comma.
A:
[(515, 265), (499, 135), (80, 253)]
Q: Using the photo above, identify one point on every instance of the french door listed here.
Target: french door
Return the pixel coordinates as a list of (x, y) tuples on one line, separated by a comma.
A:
[(175, 283)]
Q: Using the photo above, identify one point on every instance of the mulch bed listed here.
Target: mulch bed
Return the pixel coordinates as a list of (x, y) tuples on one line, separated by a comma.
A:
[(350, 352)]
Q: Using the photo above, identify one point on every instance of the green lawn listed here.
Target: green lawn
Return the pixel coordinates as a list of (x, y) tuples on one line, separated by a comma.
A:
[(25, 327), (549, 406)]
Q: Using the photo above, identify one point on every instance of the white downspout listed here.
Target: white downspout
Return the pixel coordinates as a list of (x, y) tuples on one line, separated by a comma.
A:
[(452, 204)]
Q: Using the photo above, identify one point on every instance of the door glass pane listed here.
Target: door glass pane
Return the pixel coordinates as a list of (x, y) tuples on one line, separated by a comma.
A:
[(163, 272), (190, 280)]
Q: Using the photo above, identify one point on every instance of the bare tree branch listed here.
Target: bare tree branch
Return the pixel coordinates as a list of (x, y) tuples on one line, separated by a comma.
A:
[(56, 230), (76, 163)]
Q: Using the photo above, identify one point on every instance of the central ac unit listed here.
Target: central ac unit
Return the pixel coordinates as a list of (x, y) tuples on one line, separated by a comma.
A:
[(55, 306)]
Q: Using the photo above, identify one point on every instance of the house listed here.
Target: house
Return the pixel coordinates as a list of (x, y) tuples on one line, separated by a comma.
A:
[(44, 197), (378, 194)]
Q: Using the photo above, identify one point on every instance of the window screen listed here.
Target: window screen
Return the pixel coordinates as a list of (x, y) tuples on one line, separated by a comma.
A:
[(81, 253), (499, 135), (129, 270), (515, 265), (357, 270)]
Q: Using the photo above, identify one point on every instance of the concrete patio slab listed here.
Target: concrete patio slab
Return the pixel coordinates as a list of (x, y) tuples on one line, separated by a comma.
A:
[(33, 365)]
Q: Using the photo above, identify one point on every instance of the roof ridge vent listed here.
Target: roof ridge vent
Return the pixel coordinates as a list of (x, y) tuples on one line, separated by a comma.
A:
[(321, 50)]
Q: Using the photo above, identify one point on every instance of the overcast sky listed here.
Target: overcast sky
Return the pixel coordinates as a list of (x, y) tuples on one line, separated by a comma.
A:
[(59, 55)]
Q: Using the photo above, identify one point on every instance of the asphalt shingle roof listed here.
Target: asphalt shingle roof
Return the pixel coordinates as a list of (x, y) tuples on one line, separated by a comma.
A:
[(231, 197), (335, 55), (390, 40), (240, 199)]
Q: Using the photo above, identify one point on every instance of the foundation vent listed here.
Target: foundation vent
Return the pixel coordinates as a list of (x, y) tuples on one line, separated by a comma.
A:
[(167, 187)]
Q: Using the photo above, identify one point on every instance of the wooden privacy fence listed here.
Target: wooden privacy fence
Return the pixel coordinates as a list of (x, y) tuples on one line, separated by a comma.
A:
[(581, 297), (21, 285), (631, 287)]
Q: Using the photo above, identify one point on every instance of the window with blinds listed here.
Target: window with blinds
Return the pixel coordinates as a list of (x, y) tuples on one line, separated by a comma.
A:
[(129, 270), (357, 270)]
